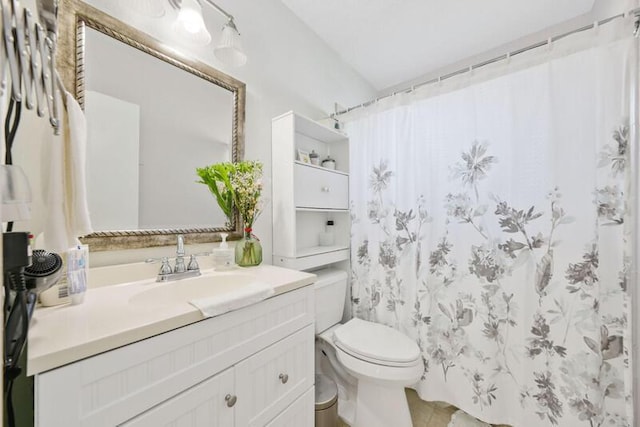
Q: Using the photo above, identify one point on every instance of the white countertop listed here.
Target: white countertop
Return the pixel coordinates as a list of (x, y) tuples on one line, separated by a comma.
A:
[(106, 320)]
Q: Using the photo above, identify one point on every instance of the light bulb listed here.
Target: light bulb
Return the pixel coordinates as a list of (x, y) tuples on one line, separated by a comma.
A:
[(229, 48), (190, 16), (190, 24)]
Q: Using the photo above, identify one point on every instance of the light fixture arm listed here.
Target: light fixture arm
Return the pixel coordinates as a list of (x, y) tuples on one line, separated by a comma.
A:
[(229, 48), (177, 3), (219, 9)]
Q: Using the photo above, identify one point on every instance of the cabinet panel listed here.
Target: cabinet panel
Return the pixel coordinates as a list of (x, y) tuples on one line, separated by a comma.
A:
[(110, 388), (318, 188), (269, 381), (299, 414), (203, 405)]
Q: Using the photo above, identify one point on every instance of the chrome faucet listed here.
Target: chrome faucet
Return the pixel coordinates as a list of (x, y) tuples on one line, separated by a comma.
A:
[(180, 271)]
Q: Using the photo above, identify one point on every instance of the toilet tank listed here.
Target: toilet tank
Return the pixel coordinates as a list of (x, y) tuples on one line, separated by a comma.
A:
[(330, 295)]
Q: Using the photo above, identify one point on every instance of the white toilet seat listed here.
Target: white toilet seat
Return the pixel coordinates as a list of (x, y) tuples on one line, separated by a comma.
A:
[(376, 343), (368, 359), (398, 375), (375, 362)]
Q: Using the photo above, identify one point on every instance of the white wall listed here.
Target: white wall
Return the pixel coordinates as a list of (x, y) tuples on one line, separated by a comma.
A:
[(289, 68), (602, 9), (113, 202)]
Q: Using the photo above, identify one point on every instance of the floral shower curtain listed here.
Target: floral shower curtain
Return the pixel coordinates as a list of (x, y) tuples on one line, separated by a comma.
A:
[(490, 224)]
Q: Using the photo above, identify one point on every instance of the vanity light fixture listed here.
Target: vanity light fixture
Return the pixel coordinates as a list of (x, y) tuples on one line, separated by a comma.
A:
[(190, 26)]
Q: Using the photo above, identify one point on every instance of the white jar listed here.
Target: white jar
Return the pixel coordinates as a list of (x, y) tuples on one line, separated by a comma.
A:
[(327, 238), (329, 163)]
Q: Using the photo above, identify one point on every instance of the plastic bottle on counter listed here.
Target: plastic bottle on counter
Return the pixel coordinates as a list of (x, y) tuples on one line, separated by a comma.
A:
[(77, 271), (223, 256)]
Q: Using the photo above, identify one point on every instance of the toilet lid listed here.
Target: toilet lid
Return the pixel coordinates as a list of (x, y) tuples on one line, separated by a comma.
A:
[(376, 342)]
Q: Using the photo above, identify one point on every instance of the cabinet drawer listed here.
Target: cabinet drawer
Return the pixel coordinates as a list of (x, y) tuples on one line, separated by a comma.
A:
[(203, 405), (269, 381), (301, 413), (318, 188)]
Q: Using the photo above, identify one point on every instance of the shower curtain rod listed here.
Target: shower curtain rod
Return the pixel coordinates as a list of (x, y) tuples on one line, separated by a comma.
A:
[(507, 55)]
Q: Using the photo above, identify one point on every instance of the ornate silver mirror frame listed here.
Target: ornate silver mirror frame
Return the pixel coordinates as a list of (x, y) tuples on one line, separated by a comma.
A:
[(74, 17)]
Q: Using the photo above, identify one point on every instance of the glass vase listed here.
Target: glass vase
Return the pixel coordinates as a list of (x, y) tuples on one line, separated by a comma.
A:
[(248, 250)]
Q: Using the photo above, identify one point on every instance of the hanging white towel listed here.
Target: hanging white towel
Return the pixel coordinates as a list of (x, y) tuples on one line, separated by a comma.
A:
[(66, 200), (246, 295), (76, 134)]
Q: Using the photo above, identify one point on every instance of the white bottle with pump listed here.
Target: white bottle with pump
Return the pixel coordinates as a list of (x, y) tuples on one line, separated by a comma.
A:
[(223, 256)]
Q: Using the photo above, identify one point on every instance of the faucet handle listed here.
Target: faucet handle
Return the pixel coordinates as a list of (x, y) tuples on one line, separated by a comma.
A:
[(193, 263), (165, 268)]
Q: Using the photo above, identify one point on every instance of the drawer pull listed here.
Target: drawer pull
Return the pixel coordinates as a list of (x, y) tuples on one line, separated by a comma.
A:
[(284, 378), (231, 400), (326, 189)]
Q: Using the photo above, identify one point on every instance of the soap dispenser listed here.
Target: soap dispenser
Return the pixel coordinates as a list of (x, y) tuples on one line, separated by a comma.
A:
[(223, 256)]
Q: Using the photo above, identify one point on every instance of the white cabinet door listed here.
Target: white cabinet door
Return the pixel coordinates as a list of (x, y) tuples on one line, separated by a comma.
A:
[(318, 188), (301, 413), (208, 404), (269, 381)]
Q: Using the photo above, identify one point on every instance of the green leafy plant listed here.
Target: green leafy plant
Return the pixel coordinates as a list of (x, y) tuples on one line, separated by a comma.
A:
[(218, 178), (236, 185)]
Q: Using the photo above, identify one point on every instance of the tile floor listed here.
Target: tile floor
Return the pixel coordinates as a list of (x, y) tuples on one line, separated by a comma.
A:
[(426, 414)]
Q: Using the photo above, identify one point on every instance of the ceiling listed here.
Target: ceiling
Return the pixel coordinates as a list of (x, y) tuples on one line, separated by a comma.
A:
[(393, 41)]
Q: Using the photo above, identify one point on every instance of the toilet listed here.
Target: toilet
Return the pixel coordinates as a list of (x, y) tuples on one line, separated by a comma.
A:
[(371, 363)]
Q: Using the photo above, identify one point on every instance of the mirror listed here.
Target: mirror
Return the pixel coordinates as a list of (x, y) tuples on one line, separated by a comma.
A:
[(152, 118)]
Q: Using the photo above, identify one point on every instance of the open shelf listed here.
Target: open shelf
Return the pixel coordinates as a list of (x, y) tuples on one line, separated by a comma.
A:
[(325, 210), (315, 130), (298, 162), (314, 260), (318, 250)]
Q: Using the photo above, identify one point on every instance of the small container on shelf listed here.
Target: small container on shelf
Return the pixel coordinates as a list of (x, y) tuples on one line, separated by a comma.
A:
[(327, 238), (329, 163), (315, 159)]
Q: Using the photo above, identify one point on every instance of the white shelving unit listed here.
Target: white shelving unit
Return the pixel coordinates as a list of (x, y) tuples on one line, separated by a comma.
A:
[(306, 196)]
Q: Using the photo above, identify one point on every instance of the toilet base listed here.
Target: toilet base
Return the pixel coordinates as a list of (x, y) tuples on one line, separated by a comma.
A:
[(380, 406)]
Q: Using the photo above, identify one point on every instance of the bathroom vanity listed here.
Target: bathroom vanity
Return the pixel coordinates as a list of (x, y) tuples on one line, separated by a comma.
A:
[(249, 367)]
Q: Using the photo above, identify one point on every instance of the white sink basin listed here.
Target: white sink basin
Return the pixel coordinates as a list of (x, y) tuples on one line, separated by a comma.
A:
[(185, 290)]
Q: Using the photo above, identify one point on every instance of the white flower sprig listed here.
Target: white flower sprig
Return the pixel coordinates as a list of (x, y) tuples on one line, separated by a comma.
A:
[(246, 182)]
